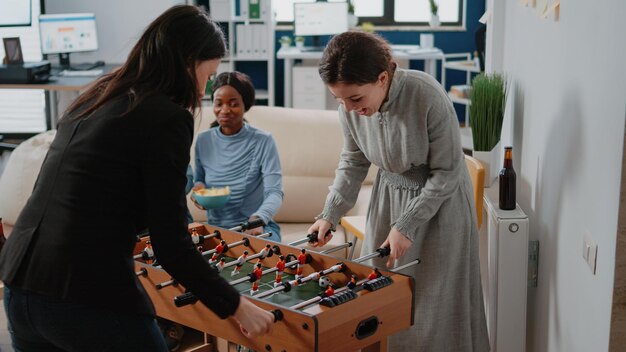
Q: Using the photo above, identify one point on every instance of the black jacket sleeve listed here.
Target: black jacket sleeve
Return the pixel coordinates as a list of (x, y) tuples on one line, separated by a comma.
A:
[(165, 157)]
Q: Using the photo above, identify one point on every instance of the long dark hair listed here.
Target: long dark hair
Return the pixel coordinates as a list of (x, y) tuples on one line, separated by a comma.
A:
[(241, 82), (355, 58), (163, 61)]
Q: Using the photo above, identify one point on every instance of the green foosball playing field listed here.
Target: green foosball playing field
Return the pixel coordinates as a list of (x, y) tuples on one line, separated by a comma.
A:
[(296, 295)]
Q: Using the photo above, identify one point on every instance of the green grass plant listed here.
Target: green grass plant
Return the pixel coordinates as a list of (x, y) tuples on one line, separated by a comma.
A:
[(488, 99)]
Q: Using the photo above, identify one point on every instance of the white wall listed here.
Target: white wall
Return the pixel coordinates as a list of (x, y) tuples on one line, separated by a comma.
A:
[(566, 123), (119, 24)]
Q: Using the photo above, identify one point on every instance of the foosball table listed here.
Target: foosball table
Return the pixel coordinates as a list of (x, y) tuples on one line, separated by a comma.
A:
[(321, 303)]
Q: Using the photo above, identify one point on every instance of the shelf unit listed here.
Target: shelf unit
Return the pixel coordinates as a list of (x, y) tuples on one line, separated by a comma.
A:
[(249, 26), (461, 62)]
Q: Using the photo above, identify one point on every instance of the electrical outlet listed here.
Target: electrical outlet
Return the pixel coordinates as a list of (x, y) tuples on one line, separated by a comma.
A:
[(533, 263), (590, 251)]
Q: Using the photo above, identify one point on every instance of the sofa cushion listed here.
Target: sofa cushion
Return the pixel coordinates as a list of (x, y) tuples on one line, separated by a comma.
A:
[(309, 143), (19, 176)]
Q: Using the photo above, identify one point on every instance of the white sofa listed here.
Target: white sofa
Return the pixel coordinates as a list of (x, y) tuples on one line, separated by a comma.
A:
[(309, 143)]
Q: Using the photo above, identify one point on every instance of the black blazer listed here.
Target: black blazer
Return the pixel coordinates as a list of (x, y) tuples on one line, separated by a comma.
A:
[(104, 179)]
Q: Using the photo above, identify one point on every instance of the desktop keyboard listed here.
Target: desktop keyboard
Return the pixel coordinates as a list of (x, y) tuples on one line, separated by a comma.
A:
[(86, 73)]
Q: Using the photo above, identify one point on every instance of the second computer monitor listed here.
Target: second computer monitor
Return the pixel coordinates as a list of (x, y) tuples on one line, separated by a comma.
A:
[(320, 18), (68, 33)]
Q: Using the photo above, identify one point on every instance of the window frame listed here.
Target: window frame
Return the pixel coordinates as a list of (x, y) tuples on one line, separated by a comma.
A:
[(386, 22)]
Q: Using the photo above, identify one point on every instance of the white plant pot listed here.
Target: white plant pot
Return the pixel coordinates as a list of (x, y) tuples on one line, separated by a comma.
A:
[(353, 21), (491, 162), (434, 21), (285, 45), (299, 45)]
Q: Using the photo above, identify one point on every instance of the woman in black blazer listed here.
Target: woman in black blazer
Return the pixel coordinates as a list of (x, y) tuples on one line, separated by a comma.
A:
[(117, 166)]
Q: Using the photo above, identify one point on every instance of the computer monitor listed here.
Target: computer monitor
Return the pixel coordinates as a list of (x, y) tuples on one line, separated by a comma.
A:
[(15, 13), (320, 18), (67, 33)]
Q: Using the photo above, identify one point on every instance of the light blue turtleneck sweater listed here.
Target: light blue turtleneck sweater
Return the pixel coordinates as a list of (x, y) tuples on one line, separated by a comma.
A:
[(248, 163)]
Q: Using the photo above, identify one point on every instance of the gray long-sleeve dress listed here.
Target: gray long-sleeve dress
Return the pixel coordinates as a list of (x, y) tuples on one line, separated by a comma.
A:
[(424, 190)]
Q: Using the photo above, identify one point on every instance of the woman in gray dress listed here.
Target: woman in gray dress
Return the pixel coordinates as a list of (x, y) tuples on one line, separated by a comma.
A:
[(422, 202)]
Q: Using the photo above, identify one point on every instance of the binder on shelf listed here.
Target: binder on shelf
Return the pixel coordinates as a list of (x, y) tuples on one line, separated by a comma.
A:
[(220, 10), (254, 9), (263, 41), (266, 10), (257, 34), (243, 9), (241, 42)]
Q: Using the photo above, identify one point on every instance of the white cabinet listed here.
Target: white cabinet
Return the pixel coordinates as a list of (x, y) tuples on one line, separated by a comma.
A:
[(249, 26), (309, 91)]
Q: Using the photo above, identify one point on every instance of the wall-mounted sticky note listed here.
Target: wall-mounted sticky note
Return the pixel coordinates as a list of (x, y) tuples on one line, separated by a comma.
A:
[(485, 17), (554, 7)]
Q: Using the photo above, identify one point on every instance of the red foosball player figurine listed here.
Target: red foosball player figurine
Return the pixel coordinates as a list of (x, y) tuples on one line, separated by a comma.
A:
[(374, 274), (220, 265), (240, 261), (258, 273), (148, 253), (301, 262), (280, 267), (352, 284), (330, 290), (219, 249), (195, 237)]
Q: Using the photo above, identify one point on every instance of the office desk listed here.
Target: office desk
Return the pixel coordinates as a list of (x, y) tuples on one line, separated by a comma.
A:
[(430, 57), (58, 84)]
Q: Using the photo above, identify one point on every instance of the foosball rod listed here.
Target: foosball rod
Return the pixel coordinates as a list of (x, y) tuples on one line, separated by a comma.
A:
[(241, 227), (416, 261), (310, 238), (359, 283), (289, 264), (316, 299), (334, 249), (380, 252), (244, 241), (287, 286), (189, 298)]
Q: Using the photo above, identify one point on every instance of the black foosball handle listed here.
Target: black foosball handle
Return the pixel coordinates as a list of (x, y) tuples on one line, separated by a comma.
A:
[(185, 299), (247, 225), (383, 251), (278, 315), (313, 236)]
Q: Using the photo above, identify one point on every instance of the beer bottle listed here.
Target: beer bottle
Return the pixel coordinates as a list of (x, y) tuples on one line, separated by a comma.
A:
[(507, 181)]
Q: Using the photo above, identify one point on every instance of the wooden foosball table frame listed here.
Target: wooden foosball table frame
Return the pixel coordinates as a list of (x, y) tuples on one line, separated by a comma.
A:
[(362, 323)]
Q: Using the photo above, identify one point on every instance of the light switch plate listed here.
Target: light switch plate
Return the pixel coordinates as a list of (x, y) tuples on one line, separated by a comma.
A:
[(590, 251)]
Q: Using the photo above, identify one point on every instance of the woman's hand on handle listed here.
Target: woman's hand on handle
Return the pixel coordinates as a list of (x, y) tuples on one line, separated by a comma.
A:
[(322, 227), (257, 230), (253, 321), (398, 244)]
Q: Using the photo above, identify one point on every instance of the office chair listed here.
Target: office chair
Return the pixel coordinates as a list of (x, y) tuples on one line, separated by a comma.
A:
[(477, 175)]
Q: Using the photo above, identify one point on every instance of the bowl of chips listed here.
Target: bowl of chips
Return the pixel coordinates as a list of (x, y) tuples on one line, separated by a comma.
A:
[(212, 198)]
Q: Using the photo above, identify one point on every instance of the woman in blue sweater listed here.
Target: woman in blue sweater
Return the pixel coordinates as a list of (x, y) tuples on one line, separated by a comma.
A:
[(235, 154)]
